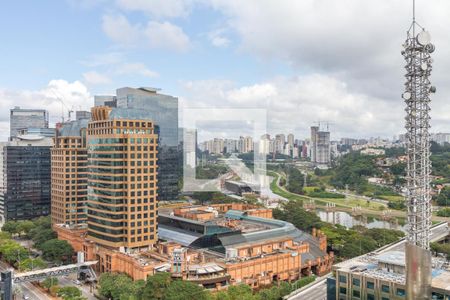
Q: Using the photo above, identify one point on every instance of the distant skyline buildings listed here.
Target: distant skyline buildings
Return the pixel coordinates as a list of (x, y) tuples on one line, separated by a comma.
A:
[(21, 119)]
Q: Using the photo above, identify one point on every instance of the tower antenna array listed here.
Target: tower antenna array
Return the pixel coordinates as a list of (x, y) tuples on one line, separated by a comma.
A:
[(417, 50)]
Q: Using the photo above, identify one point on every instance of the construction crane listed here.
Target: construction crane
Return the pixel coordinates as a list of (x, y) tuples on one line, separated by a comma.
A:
[(63, 105)]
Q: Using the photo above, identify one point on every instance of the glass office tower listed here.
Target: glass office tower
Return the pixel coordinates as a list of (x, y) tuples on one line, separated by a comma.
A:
[(163, 111), (25, 179)]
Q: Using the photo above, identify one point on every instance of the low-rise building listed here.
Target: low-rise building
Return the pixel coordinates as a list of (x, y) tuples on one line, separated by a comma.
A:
[(215, 246), (382, 277)]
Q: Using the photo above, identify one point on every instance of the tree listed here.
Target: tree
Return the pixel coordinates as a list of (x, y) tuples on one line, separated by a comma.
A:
[(443, 199), (119, 286), (156, 286), (49, 282), (398, 169), (445, 212), (41, 236), (352, 170), (12, 251), (238, 292), (4, 235), (185, 290), (57, 251), (32, 264), (293, 212), (69, 293), (11, 227), (24, 227)]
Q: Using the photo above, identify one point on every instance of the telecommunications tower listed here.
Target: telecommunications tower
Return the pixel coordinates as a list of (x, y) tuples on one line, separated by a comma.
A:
[(417, 50)]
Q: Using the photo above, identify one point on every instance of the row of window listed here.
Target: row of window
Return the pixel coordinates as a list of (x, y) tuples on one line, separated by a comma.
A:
[(120, 239), (369, 284)]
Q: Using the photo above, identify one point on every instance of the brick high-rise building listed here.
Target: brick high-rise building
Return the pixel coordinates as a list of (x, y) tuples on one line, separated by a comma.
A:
[(122, 179), (69, 174)]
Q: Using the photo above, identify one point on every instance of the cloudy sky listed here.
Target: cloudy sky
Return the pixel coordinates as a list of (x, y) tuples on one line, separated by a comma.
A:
[(302, 60)]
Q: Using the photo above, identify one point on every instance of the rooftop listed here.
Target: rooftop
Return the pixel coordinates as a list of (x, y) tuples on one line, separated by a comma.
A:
[(367, 265)]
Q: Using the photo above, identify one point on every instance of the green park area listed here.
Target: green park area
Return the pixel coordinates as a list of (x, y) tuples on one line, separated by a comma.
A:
[(162, 287)]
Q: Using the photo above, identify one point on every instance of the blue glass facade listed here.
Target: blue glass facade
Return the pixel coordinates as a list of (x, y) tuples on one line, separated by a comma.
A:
[(146, 103)]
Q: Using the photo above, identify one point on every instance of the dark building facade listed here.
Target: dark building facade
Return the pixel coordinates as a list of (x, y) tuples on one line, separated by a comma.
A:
[(25, 181), (163, 111)]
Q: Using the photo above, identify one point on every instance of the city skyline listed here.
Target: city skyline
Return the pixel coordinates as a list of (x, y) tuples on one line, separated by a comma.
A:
[(206, 150), (297, 87)]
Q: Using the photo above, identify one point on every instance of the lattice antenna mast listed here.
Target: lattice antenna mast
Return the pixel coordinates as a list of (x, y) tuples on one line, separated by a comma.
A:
[(417, 49)]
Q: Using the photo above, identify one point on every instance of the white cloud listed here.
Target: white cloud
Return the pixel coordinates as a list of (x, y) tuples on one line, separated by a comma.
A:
[(74, 95), (158, 35), (135, 68), (157, 8), (356, 42), (294, 104), (95, 78), (218, 39), (120, 31), (166, 36)]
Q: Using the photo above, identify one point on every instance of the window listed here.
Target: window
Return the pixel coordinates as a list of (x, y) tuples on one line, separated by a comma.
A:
[(385, 288), (370, 297), (384, 298), (356, 282), (370, 285), (401, 292), (342, 290), (356, 294), (437, 296)]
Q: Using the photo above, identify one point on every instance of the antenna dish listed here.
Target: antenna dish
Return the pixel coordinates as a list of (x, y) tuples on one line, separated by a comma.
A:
[(424, 38), (406, 95)]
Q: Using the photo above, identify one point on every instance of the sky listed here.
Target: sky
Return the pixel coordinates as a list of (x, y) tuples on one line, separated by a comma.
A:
[(302, 61)]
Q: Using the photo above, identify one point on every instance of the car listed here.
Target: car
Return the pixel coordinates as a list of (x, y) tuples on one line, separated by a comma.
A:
[(77, 282), (25, 297)]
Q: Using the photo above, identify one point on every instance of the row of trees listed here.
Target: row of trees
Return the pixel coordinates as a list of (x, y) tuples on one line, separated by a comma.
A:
[(40, 231), (161, 287), (295, 180)]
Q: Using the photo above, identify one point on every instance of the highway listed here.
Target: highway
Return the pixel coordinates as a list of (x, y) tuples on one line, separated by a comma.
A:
[(437, 233), (317, 292), (69, 281)]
